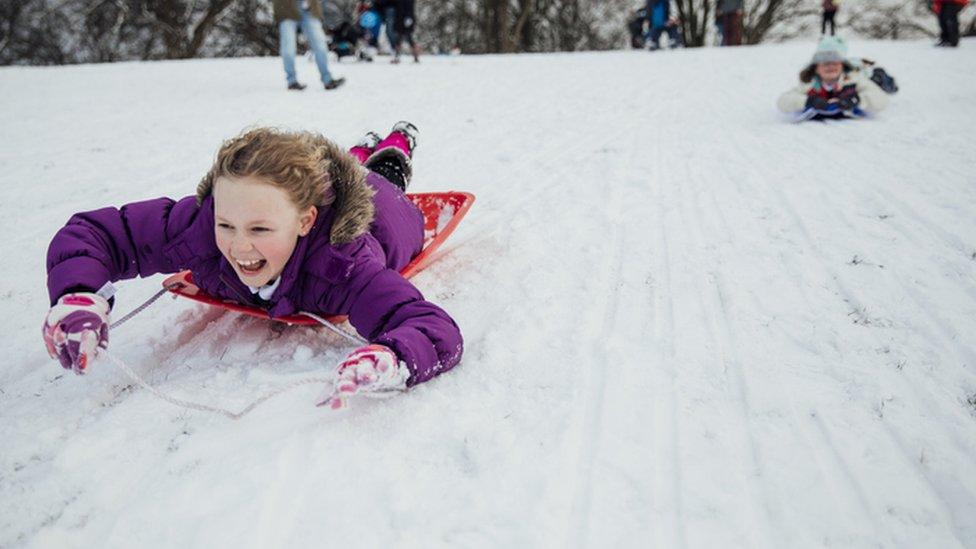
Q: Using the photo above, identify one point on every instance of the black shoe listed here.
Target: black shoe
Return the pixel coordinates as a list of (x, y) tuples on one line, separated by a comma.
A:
[(335, 83), (296, 86)]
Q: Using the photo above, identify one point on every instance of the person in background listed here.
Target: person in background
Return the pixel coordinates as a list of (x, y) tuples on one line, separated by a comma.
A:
[(388, 11), (948, 13), (636, 27), (403, 25), (288, 15), (830, 87), (730, 13), (829, 12), (660, 21)]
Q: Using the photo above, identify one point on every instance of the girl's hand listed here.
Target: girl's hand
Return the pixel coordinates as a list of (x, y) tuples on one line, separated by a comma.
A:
[(75, 328), (373, 370)]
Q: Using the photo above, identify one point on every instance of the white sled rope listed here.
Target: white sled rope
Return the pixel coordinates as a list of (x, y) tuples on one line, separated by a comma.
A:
[(353, 338)]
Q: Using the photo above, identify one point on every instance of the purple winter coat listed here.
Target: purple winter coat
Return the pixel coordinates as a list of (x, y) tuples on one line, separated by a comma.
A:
[(358, 277)]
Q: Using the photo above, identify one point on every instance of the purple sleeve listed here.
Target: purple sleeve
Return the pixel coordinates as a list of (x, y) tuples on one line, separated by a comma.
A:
[(387, 309), (112, 244)]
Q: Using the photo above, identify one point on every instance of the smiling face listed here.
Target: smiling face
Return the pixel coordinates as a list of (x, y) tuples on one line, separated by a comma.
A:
[(829, 72), (257, 227)]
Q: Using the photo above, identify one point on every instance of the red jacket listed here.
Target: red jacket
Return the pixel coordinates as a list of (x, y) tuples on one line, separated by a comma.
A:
[(937, 4)]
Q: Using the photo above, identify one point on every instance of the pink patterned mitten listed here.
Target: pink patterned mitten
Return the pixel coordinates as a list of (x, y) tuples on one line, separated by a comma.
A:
[(75, 328), (373, 370)]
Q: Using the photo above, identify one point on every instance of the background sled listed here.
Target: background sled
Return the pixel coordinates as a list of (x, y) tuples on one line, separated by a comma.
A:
[(442, 213), (813, 114)]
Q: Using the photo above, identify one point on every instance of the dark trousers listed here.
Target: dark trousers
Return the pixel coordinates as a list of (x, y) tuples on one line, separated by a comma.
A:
[(393, 169), (949, 23), (389, 18), (401, 37), (731, 28), (828, 17)]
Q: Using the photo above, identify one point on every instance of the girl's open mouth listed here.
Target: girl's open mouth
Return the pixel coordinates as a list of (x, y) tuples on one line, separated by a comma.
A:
[(251, 267)]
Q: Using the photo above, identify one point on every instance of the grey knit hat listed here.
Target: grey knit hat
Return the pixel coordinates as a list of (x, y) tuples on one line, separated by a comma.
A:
[(830, 49)]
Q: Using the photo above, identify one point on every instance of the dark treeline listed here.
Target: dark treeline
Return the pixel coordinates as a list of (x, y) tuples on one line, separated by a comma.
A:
[(43, 32)]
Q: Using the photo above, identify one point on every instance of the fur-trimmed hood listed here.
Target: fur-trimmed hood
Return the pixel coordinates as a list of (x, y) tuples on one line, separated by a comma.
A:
[(337, 177), (353, 205)]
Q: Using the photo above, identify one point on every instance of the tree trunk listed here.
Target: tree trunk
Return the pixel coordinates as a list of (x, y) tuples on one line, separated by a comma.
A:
[(695, 16), (205, 25)]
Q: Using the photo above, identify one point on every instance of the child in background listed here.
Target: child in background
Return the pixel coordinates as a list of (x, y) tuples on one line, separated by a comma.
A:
[(285, 221), (829, 16), (830, 88)]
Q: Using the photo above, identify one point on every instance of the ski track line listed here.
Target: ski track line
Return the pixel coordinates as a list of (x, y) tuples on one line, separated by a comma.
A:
[(816, 438), (555, 152), (835, 456), (940, 500), (667, 484), (825, 450), (837, 281), (595, 386), (281, 502), (668, 473), (950, 338), (559, 168), (936, 230), (951, 342), (712, 299), (896, 223), (603, 347)]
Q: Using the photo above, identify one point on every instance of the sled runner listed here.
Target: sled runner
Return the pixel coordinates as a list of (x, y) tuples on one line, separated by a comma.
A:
[(442, 212)]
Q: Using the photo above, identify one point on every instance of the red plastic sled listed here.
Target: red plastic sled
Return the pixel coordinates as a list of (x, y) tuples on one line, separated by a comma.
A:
[(442, 213)]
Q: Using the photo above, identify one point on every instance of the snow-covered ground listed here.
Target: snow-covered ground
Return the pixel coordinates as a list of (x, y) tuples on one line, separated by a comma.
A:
[(688, 322)]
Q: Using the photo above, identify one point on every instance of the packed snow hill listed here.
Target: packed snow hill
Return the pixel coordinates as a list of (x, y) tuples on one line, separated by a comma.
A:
[(687, 321)]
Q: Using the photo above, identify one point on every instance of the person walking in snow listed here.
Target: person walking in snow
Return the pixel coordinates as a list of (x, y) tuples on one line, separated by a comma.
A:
[(289, 15), (388, 11), (403, 27), (948, 13), (284, 221), (830, 87), (829, 12), (730, 14), (660, 21)]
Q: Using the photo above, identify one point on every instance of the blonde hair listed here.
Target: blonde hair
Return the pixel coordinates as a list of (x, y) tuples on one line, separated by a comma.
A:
[(305, 165)]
